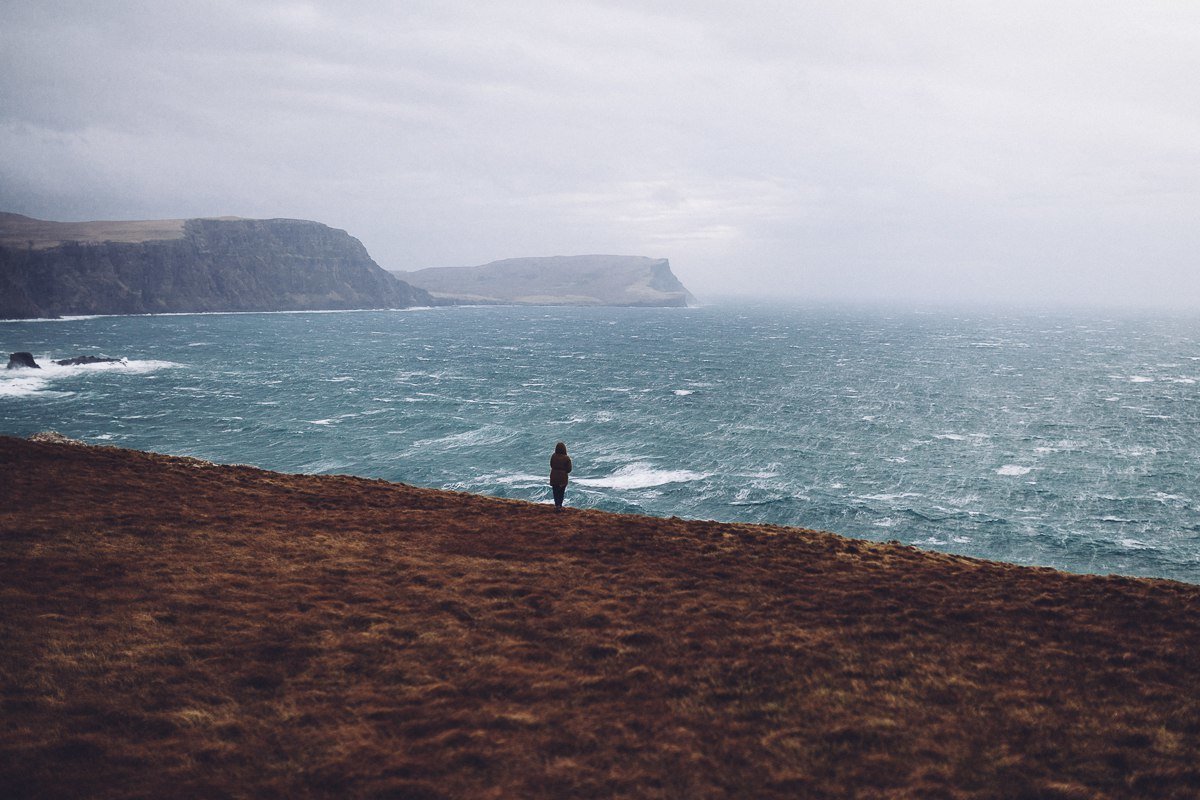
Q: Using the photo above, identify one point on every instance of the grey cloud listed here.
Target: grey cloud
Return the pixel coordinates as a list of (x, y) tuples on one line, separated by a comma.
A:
[(940, 151)]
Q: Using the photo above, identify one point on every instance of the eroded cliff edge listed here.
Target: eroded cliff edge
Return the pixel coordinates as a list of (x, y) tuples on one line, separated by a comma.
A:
[(592, 280), (50, 269)]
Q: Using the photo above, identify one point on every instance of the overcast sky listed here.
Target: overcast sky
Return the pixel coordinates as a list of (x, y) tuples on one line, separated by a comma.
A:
[(947, 151)]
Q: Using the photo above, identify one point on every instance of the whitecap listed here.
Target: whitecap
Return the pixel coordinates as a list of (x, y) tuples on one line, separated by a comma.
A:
[(514, 479), (642, 476), (134, 367), (1135, 544), (487, 435), (324, 465), (1014, 469), (888, 498), (952, 437), (682, 392), (51, 319), (1140, 379), (28, 383), (26, 386), (137, 367)]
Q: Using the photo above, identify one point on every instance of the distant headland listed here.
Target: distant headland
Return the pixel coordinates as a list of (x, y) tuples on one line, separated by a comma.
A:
[(595, 280), (50, 269), (53, 269)]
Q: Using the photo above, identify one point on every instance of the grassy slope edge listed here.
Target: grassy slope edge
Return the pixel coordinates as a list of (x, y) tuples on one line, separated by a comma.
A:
[(174, 628)]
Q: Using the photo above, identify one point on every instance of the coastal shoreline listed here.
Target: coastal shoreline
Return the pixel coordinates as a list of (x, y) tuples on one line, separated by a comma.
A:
[(176, 627)]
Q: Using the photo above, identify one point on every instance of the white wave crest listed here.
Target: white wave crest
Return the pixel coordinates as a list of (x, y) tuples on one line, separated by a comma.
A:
[(137, 367), (1135, 544), (1014, 469), (487, 435), (41, 382), (26, 386), (520, 480), (642, 476), (52, 319), (889, 498), (962, 437)]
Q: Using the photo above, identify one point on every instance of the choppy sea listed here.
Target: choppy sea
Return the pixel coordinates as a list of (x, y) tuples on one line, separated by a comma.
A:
[(1069, 440)]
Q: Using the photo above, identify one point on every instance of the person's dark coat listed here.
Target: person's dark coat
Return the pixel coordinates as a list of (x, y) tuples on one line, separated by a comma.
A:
[(560, 465)]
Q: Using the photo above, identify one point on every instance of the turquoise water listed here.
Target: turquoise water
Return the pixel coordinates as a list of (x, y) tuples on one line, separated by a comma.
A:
[(1062, 440)]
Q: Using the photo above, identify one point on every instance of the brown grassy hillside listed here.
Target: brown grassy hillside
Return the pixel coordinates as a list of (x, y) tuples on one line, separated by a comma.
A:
[(174, 629)]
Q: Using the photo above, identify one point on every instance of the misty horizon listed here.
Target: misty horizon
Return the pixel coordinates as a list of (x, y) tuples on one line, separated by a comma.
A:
[(941, 154)]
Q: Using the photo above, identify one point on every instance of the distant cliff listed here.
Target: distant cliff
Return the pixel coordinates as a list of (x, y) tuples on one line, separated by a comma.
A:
[(558, 280), (52, 269)]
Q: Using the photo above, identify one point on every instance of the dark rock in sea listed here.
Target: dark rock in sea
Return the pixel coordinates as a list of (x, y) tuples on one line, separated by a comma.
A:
[(50, 269), (596, 280), (22, 361), (74, 362)]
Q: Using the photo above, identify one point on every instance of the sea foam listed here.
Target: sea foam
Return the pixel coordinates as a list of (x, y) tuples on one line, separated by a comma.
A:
[(41, 382), (641, 476)]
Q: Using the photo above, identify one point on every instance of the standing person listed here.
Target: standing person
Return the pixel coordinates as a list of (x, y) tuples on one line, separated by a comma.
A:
[(560, 465)]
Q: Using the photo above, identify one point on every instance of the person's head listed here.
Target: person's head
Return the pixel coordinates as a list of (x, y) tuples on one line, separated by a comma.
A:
[(560, 449)]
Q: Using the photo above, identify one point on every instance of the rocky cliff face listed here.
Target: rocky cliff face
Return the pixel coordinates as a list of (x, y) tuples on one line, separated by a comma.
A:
[(189, 265), (558, 280)]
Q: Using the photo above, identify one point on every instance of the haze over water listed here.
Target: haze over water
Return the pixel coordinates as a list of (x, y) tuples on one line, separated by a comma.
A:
[(1065, 440)]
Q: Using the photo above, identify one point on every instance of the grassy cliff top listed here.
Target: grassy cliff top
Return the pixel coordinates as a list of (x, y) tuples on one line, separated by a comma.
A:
[(176, 628), (20, 231)]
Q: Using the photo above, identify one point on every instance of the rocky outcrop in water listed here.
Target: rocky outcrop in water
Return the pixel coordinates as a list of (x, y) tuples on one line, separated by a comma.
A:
[(50, 269), (81, 360), (558, 281), (22, 361)]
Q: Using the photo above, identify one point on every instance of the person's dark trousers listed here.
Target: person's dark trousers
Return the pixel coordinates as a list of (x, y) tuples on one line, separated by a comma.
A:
[(559, 493)]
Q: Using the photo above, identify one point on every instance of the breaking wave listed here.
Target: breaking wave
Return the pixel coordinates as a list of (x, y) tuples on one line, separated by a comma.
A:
[(641, 476)]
